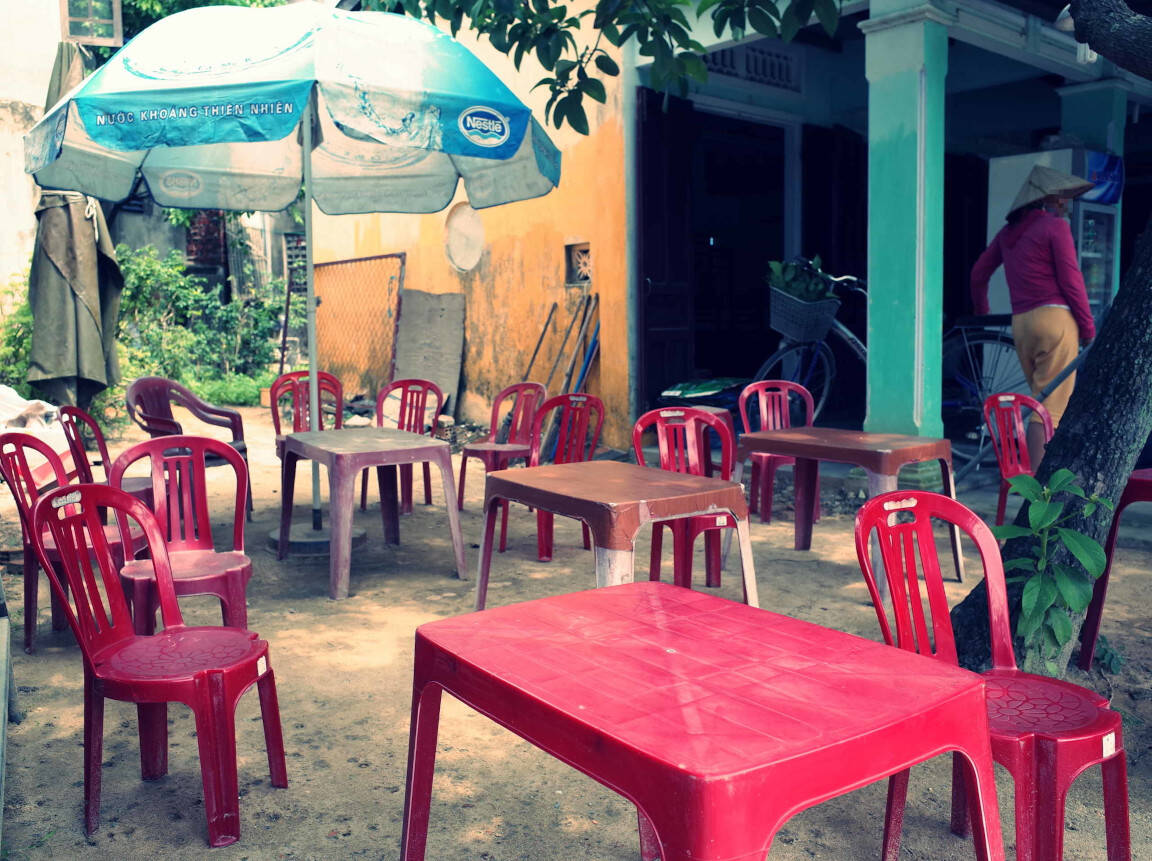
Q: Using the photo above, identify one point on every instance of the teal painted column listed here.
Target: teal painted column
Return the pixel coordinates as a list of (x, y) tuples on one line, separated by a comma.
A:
[(1097, 112), (906, 59)]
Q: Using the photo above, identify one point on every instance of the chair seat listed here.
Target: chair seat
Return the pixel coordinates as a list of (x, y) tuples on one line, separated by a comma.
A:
[(191, 565), (174, 657), (506, 449), (1022, 704)]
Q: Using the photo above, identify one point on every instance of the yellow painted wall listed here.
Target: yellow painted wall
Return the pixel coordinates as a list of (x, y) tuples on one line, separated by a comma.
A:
[(522, 270)]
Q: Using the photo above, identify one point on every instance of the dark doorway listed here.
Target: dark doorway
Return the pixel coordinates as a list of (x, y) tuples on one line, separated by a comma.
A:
[(712, 216)]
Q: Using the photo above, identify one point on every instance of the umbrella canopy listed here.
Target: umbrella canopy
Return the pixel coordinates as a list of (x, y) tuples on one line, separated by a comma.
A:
[(203, 104), (229, 107)]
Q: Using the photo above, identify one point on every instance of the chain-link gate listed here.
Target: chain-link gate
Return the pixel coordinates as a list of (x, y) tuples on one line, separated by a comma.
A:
[(358, 301)]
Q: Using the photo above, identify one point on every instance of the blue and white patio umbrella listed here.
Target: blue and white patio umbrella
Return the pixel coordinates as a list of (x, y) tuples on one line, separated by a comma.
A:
[(229, 107)]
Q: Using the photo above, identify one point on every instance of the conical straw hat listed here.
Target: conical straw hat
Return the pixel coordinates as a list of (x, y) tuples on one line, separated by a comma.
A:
[(1044, 181)]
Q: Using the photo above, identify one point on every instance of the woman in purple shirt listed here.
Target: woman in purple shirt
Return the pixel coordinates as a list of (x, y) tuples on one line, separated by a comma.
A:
[(1050, 313)]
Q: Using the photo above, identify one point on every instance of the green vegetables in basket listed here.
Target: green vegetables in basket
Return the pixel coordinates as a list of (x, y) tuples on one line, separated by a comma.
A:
[(802, 279)]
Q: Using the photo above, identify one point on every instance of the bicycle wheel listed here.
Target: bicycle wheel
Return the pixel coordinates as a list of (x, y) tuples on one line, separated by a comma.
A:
[(810, 364), (975, 366)]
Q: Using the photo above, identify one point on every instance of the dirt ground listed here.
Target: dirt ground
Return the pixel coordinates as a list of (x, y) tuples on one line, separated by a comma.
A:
[(343, 671)]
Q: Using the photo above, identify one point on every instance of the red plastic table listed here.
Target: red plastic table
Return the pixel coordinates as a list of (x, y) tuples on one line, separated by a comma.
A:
[(345, 452), (615, 499), (719, 721), (879, 454)]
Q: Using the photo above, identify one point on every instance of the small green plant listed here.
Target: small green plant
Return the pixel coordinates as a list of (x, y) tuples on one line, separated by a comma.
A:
[(801, 278), (1054, 591), (1108, 656), (234, 389), (16, 337)]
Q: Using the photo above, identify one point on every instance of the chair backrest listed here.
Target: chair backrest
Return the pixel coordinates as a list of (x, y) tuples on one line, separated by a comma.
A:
[(775, 400), (149, 402), (526, 398), (76, 424), (293, 388), (29, 466), (1004, 418), (683, 441), (577, 419), (412, 405), (904, 522), (94, 600), (180, 488)]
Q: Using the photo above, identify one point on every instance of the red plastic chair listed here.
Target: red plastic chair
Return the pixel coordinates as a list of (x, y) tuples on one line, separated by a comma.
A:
[(683, 441), (289, 396), (180, 489), (77, 423), (405, 405), (1045, 731), (30, 467), (1138, 489), (774, 401), (495, 453), (1004, 418), (149, 401), (206, 668), (565, 429)]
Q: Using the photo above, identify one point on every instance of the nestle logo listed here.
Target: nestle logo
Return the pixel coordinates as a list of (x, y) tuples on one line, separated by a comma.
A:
[(484, 126), (180, 183)]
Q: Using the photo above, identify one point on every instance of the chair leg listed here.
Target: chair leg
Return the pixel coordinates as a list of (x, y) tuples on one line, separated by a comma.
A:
[(961, 824), (650, 849), (1048, 822), (681, 553), (424, 728), (364, 489), (503, 525), (273, 733), (1024, 790), (1002, 502), (31, 597), (406, 488), (234, 603), (754, 488), (216, 740), (152, 727), (894, 815), (712, 560), (93, 752), (145, 602), (587, 535), (1116, 807), (544, 530), (427, 483), (767, 490), (656, 557)]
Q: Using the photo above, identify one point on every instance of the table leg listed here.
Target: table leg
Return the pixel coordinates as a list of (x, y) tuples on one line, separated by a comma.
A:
[(751, 596), (444, 461), (491, 508), (613, 566), (287, 486), (341, 495), (950, 489), (806, 472), (389, 503), (877, 484)]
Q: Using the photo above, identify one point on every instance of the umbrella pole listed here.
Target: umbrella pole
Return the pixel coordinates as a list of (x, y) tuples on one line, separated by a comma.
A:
[(313, 383)]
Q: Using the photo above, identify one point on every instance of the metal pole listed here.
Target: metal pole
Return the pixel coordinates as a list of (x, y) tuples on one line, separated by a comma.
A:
[(313, 364)]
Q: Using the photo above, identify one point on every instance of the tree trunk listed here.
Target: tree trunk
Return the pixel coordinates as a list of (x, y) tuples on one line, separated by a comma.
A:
[(1112, 28), (1108, 420)]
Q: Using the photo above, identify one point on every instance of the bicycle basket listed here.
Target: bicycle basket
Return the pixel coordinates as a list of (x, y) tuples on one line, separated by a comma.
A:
[(800, 321)]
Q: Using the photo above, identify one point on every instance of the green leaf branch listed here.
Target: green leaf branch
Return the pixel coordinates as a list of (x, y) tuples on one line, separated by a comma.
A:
[(1063, 564), (572, 48)]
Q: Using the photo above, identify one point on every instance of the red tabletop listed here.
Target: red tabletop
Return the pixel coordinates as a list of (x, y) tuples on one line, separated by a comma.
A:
[(672, 696)]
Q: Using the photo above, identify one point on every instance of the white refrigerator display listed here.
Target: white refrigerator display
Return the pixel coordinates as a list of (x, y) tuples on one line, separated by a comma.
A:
[(1095, 217)]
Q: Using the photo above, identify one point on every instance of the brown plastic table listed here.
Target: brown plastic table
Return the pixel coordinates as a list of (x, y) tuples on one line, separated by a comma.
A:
[(879, 454), (615, 499), (345, 452)]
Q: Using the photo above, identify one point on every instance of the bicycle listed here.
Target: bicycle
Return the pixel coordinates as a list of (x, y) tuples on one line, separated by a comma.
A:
[(978, 359)]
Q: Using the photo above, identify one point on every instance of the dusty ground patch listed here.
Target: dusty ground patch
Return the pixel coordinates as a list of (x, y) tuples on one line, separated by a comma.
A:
[(344, 676)]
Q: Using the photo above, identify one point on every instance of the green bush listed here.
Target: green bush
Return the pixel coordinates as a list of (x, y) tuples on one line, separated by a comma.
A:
[(234, 389), (16, 338)]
